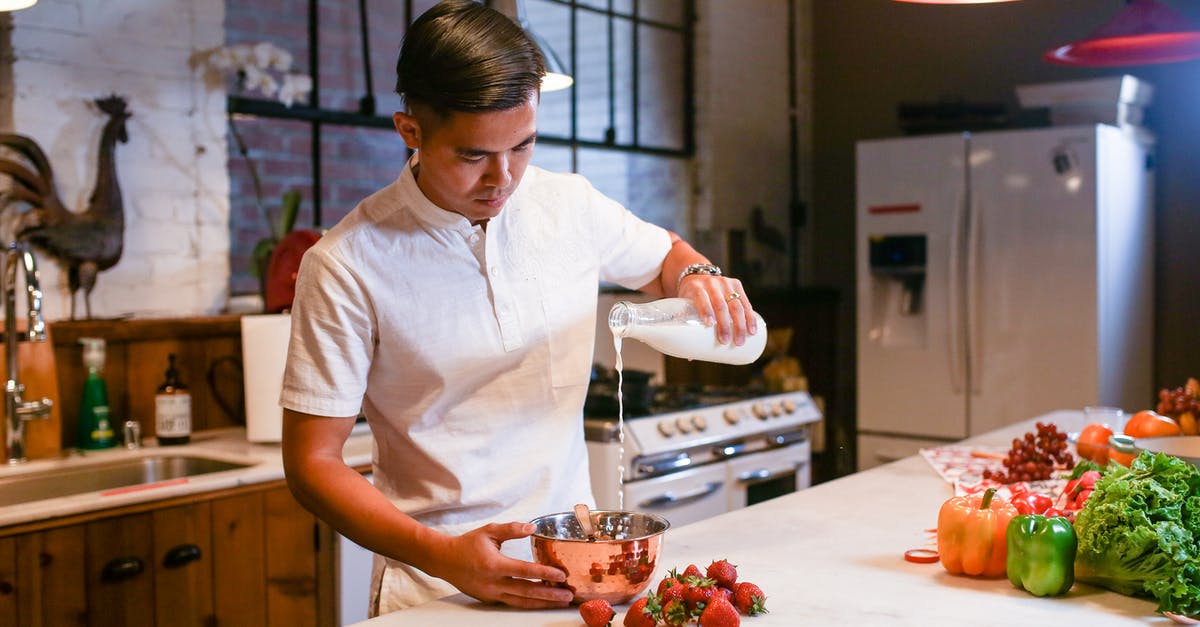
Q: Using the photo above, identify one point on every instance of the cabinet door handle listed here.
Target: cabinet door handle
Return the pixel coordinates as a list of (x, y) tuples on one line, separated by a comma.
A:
[(181, 555), (122, 568)]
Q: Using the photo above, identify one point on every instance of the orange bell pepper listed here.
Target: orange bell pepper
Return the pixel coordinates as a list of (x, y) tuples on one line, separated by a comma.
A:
[(971, 534)]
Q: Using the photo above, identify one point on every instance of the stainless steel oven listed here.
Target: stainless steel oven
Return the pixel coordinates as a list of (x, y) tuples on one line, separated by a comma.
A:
[(692, 463)]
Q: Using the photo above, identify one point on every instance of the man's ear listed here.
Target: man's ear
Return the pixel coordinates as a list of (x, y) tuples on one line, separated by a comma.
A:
[(409, 129)]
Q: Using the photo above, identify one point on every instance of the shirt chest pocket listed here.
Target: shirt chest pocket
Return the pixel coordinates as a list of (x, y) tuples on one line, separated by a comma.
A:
[(570, 310)]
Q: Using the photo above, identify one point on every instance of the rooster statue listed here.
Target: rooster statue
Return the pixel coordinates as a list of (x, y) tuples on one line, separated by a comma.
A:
[(86, 242)]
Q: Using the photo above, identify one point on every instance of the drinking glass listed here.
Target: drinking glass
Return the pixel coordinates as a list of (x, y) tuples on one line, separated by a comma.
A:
[(1114, 417)]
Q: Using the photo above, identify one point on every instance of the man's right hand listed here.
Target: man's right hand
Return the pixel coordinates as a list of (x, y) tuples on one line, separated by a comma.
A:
[(474, 564)]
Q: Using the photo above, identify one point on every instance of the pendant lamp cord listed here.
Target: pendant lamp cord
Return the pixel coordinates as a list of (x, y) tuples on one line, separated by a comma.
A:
[(366, 104)]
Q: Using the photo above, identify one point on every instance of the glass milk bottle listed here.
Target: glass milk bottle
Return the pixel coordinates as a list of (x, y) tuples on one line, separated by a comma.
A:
[(673, 327)]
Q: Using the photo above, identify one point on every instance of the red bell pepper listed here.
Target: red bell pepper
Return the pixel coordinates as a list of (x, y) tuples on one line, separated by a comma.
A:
[(1031, 503)]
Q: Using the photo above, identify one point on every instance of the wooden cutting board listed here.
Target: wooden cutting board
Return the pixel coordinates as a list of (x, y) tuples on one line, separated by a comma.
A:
[(43, 438)]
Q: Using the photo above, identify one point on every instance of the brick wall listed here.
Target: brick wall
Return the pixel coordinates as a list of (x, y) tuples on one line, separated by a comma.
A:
[(64, 54)]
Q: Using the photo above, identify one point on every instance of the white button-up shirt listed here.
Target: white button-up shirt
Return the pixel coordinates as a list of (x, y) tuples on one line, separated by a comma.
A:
[(468, 350)]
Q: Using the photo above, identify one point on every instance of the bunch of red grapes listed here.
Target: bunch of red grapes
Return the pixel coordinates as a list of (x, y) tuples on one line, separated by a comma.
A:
[(1035, 456), (1179, 401)]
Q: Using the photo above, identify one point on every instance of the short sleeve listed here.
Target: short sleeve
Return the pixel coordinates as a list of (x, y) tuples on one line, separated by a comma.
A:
[(332, 339), (631, 250)]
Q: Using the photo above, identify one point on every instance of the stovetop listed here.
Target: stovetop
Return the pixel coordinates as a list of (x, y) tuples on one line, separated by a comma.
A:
[(643, 401)]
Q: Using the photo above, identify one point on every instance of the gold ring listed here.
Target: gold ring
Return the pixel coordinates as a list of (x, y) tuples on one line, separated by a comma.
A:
[(732, 296)]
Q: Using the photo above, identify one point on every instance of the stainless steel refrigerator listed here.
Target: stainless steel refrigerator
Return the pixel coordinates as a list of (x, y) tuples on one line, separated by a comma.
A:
[(1000, 276)]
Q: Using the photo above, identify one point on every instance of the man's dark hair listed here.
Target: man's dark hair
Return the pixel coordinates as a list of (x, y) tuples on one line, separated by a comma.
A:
[(462, 56)]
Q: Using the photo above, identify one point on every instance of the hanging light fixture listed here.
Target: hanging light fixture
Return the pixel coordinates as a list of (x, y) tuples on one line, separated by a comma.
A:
[(16, 5), (557, 77), (1144, 32)]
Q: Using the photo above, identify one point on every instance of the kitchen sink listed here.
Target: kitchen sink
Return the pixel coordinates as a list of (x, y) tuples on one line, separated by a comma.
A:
[(107, 475)]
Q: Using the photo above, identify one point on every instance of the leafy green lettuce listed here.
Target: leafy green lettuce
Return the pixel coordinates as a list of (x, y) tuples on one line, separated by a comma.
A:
[(1139, 532)]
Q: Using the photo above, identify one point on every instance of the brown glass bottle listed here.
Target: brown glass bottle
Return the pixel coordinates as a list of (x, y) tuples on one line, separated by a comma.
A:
[(172, 409)]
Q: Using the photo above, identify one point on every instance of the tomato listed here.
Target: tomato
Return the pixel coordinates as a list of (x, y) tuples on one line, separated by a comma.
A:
[(1093, 443), (1151, 424)]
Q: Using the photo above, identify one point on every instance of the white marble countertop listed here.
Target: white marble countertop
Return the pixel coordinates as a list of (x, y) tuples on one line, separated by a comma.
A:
[(264, 459), (833, 555)]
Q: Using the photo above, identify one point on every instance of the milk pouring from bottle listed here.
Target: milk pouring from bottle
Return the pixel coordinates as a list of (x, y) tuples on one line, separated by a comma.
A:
[(673, 327)]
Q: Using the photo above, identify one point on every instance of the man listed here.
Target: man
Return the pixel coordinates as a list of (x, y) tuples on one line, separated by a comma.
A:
[(456, 309)]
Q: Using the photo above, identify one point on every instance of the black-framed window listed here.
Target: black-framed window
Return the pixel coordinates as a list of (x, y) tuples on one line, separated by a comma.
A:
[(627, 123)]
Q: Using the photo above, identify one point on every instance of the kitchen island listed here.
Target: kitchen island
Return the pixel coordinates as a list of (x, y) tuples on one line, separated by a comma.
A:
[(833, 555)]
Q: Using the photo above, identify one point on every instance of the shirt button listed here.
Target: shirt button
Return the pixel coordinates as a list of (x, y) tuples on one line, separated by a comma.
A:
[(495, 271)]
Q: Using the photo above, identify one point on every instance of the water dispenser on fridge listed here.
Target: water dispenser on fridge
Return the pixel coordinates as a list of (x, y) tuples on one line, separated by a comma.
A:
[(897, 290)]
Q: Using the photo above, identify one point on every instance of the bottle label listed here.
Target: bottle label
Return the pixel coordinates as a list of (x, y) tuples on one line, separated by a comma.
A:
[(172, 415), (103, 433)]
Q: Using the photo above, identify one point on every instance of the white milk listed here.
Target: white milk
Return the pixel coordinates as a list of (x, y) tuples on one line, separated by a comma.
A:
[(696, 341), (620, 426)]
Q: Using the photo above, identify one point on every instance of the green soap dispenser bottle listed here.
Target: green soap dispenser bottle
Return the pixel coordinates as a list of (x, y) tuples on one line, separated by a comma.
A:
[(95, 425)]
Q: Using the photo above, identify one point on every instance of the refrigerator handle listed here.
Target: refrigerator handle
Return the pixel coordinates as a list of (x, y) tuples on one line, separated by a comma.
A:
[(974, 348), (957, 366)]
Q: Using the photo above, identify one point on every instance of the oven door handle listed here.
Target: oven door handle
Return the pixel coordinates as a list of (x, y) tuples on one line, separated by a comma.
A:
[(765, 474), (668, 499)]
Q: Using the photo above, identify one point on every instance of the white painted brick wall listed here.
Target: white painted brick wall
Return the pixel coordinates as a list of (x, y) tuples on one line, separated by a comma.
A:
[(742, 127), (172, 172)]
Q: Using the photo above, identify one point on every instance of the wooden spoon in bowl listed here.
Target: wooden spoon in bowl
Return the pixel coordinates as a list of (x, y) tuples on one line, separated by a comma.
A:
[(584, 516)]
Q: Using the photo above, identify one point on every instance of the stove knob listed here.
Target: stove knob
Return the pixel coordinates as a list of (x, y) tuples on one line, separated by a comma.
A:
[(776, 410), (700, 423), (731, 416), (666, 428), (684, 425), (789, 406), (760, 411)]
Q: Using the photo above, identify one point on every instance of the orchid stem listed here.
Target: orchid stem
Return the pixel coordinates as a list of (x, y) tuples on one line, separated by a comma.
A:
[(245, 152)]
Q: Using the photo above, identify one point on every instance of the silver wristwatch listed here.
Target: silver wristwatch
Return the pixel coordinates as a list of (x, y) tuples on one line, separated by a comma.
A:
[(697, 268)]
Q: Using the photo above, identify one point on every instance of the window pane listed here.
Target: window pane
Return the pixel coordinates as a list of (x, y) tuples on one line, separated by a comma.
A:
[(592, 78), (623, 69), (653, 188), (355, 163), (552, 22), (280, 151), (553, 158), (386, 24), (340, 73), (660, 88)]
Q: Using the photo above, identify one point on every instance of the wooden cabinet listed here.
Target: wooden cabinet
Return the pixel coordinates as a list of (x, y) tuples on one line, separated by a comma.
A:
[(248, 556)]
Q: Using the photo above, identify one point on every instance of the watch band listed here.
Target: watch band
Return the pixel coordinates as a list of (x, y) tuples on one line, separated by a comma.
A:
[(697, 268)]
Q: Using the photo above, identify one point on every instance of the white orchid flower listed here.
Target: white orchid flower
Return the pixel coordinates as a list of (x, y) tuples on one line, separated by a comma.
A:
[(260, 80), (294, 87)]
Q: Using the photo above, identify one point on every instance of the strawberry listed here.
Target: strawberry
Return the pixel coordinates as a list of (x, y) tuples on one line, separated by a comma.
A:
[(672, 591), (675, 613), (720, 613), (693, 571), (668, 582), (643, 613), (597, 613), (699, 593), (749, 599), (724, 573)]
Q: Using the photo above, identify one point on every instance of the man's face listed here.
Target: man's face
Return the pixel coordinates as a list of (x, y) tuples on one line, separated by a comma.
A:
[(470, 163)]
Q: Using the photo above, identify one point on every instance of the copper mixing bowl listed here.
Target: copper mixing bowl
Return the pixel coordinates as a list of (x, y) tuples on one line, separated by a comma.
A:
[(616, 567)]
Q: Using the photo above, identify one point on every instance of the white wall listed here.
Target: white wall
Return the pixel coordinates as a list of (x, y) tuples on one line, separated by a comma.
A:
[(65, 53), (743, 132)]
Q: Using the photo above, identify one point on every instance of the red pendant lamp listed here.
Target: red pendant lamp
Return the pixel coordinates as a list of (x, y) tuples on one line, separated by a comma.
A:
[(1144, 32)]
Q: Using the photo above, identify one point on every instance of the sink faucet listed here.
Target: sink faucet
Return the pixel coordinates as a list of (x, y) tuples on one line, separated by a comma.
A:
[(17, 410)]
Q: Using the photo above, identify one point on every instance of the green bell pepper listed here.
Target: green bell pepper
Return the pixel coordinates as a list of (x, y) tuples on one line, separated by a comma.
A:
[(1041, 554)]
